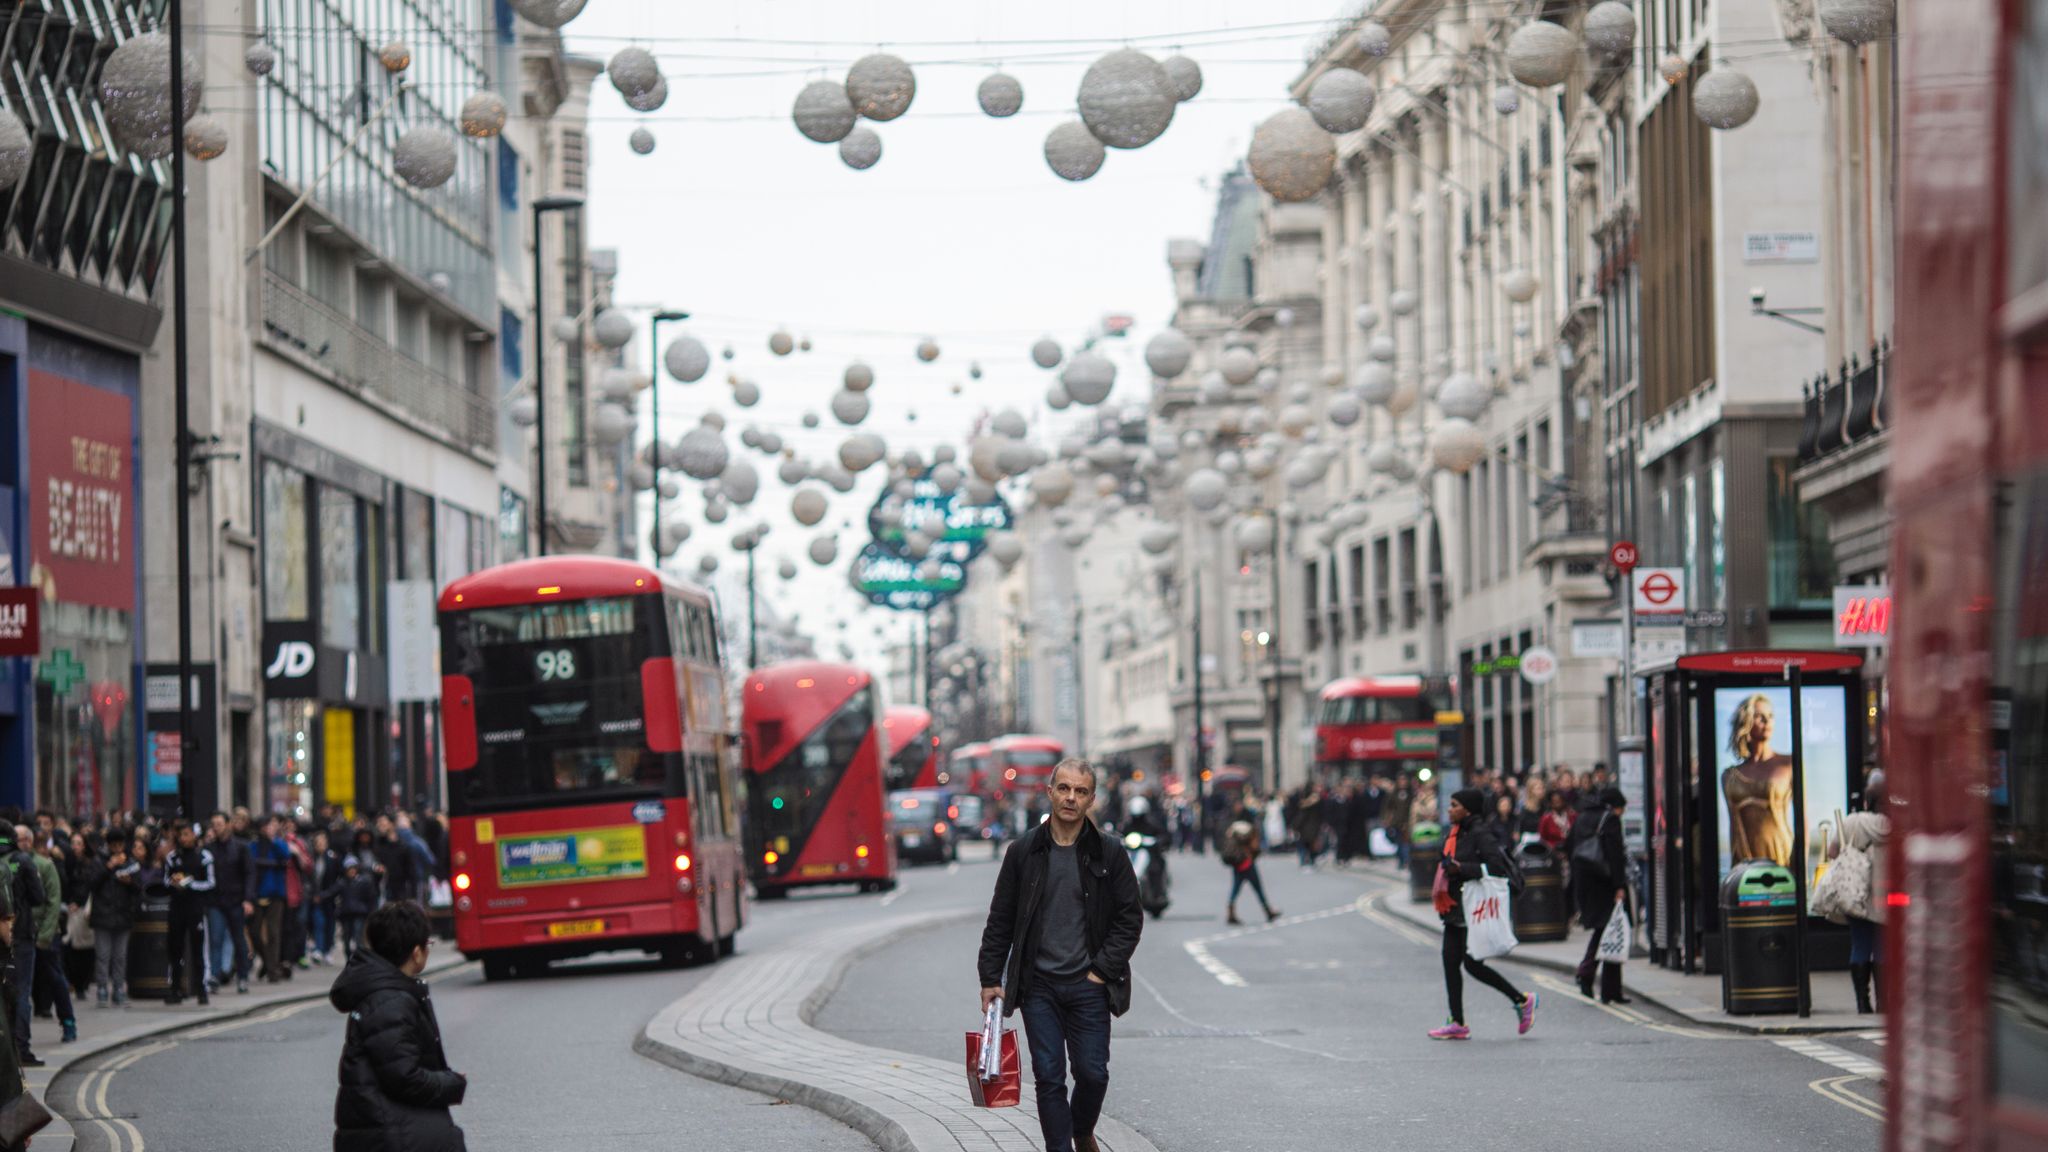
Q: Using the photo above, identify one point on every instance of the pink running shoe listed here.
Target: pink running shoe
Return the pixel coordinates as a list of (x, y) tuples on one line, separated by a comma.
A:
[(1450, 1031), (1525, 1015)]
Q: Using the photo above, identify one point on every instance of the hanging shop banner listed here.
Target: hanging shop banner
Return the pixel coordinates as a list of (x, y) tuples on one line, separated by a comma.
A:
[(892, 581), (21, 631), (81, 471), (415, 641), (956, 527)]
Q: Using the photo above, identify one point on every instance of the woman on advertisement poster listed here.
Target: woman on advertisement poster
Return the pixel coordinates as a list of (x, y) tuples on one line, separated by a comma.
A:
[(1758, 788)]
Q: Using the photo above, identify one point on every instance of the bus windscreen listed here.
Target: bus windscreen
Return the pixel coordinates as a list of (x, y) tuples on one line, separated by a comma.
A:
[(909, 760), (558, 702), (788, 798)]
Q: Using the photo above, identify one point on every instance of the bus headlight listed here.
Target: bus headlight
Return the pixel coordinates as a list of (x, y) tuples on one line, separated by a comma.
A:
[(682, 862), (462, 881)]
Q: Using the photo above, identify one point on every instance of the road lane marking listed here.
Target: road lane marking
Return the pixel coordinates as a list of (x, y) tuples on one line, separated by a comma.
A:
[(1198, 948), (886, 900), (1834, 1088), (1834, 1057), (1224, 973), (952, 867)]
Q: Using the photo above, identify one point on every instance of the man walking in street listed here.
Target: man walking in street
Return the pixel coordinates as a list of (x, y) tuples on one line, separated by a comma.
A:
[(49, 922), (271, 859), (25, 885), (192, 879), (1061, 929), (227, 923)]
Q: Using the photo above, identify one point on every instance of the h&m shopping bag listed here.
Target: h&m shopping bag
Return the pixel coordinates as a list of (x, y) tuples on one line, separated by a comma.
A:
[(995, 1079), (1614, 941), (1488, 913)]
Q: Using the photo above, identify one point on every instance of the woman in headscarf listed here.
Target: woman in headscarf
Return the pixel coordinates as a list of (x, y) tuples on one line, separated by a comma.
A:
[(1469, 848)]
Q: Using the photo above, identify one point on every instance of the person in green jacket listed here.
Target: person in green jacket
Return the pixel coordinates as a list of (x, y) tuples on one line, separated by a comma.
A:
[(11, 1082), (49, 920)]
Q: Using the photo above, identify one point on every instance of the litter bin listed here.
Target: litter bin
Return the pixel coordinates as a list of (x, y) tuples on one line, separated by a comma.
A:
[(149, 949), (1759, 958), (1539, 912), (1425, 850)]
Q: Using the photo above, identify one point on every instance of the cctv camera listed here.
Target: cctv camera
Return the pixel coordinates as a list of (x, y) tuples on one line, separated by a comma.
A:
[(1756, 299)]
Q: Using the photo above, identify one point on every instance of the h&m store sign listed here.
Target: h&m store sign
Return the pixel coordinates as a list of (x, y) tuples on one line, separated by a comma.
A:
[(1863, 615)]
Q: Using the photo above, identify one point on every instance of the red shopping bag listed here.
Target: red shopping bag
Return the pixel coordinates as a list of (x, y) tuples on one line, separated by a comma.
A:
[(1007, 1089)]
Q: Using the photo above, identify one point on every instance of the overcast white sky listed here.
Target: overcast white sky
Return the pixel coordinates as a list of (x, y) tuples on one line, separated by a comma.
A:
[(960, 232)]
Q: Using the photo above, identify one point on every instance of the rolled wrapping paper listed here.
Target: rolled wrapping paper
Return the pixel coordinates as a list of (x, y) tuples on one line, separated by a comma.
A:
[(991, 1064)]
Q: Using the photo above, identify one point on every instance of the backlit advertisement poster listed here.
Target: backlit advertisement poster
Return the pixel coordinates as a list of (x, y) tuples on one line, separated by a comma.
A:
[(1753, 777)]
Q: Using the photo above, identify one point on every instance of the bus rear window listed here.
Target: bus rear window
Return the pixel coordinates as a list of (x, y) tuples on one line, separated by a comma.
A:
[(559, 711), (1031, 759)]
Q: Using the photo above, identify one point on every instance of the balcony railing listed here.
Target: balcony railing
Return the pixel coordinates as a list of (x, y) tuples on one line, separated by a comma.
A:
[(327, 339), (1848, 408)]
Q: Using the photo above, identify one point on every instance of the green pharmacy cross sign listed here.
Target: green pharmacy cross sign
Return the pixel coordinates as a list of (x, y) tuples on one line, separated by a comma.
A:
[(61, 672)]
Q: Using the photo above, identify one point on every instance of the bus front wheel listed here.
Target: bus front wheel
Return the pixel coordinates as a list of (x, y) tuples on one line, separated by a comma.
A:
[(498, 969)]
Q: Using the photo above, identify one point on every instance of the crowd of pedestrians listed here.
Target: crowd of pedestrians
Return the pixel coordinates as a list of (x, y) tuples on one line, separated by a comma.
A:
[(249, 897)]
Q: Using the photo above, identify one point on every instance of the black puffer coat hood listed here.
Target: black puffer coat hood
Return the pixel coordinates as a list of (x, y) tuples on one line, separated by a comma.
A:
[(396, 1086)]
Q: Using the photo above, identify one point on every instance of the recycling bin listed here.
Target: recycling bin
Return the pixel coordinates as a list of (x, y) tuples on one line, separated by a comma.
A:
[(149, 951), (1425, 851), (1539, 911), (1759, 940)]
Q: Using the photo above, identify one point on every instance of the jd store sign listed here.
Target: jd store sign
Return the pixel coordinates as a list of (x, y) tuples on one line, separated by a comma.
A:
[(296, 666)]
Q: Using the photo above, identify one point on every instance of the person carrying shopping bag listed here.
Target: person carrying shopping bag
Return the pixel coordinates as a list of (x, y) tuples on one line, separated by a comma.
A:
[(1600, 880), (1469, 851)]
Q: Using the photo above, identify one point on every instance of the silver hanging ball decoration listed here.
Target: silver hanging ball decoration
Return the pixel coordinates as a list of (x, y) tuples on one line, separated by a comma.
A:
[(1183, 77), (702, 453), (610, 423), (1374, 383), (1366, 317), (927, 350), (1341, 100), (1239, 366), (861, 148), (1073, 152), (612, 328), (823, 113), (1168, 353), (206, 138), (1519, 284), (1045, 352), (1056, 397), (746, 393), (781, 343), (1206, 489), (1000, 95), (135, 87), (524, 411), (1456, 445), (1506, 99), (687, 359), (1381, 348), (824, 550), (1126, 99), (1610, 28), (1292, 156), (1724, 98), (858, 377), (1461, 396), (425, 157), (1857, 21), (260, 59), (395, 57), (483, 115), (880, 86), (1374, 40), (641, 141), (1343, 411), (650, 100), (1402, 302), (633, 71), (549, 13), (1540, 53), (850, 408), (1088, 378)]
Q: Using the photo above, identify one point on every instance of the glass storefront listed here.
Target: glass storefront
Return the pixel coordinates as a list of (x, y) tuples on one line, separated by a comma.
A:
[(85, 724), (289, 728)]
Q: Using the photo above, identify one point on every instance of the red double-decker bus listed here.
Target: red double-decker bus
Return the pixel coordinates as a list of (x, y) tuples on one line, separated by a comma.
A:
[(591, 781), (816, 812), (913, 748), (1965, 966), (1022, 763), (1376, 726), (968, 769)]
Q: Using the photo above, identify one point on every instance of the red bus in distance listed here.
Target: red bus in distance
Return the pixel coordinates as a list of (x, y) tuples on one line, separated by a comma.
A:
[(1375, 725), (816, 809), (968, 770), (913, 748), (591, 786), (1022, 763)]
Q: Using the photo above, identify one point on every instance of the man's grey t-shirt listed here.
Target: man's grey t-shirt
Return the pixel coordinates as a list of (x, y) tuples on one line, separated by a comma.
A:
[(1062, 933)]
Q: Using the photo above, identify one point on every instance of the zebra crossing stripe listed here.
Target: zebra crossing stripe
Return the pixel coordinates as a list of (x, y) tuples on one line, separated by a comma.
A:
[(1833, 1057)]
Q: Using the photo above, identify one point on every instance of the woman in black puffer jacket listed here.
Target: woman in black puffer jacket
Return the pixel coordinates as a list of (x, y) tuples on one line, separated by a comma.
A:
[(396, 1086)]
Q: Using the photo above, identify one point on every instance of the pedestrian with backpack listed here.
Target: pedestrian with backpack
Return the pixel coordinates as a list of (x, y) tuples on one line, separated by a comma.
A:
[(1599, 862), (1241, 856), (1469, 850)]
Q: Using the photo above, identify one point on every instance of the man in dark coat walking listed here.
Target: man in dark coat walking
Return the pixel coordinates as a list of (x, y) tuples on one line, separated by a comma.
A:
[(1061, 929), (396, 1086)]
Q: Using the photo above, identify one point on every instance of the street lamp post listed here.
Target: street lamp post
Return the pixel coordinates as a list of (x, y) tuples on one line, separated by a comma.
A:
[(1273, 652), (542, 206), (1080, 690), (1201, 747), (181, 418), (654, 409)]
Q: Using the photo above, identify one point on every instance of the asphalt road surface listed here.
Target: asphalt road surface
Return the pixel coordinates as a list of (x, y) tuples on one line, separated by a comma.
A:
[(1306, 1034)]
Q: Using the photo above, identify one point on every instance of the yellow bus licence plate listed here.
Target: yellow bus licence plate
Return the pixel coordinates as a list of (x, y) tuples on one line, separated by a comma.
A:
[(576, 928), (818, 870)]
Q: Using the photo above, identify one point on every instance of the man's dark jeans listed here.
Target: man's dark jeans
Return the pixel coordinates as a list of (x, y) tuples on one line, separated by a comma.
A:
[(1068, 1023)]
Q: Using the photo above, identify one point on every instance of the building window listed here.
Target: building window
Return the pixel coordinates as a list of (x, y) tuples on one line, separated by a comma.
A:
[(1382, 577), (1358, 591), (452, 535), (341, 600), (1801, 562), (1689, 540), (572, 161), (287, 590), (1717, 553), (1411, 597), (2019, 795)]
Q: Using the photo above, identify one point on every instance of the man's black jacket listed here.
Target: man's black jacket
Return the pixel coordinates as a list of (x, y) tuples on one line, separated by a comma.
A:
[(1113, 917)]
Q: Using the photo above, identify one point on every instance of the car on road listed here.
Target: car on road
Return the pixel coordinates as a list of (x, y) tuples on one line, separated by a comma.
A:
[(924, 822)]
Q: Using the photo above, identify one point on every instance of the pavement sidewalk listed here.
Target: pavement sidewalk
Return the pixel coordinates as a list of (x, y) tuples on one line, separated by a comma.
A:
[(1696, 997), (105, 1029), (750, 1025)]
